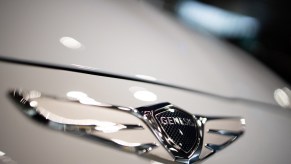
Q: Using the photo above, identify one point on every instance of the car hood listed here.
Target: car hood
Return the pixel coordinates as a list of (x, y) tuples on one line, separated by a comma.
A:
[(132, 39)]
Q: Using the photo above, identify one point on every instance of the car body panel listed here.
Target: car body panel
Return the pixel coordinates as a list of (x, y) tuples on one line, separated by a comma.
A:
[(27, 142), (130, 38)]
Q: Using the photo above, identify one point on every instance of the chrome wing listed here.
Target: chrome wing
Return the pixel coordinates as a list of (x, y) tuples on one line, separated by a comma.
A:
[(161, 132)]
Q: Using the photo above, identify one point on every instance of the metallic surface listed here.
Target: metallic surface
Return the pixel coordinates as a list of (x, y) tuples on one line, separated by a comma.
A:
[(212, 133), (34, 104), (192, 130)]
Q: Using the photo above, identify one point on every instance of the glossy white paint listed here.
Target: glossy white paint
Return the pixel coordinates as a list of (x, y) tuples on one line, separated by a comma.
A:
[(130, 38), (267, 127)]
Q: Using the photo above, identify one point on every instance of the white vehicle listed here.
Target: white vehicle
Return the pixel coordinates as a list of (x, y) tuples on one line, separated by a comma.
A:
[(117, 81)]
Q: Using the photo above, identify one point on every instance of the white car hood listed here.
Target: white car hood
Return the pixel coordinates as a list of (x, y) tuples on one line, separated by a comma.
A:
[(131, 38)]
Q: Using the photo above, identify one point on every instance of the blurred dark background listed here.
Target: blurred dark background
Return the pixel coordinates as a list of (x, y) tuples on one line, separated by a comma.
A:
[(261, 27)]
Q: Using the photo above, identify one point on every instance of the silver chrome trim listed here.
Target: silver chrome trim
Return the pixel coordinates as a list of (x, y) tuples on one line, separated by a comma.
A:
[(82, 127), (107, 126)]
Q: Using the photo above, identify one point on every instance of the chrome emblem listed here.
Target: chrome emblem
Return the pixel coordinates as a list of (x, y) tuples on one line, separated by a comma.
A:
[(161, 132), (175, 128)]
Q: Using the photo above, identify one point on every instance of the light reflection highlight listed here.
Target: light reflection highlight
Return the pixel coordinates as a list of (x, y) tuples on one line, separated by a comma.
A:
[(199, 122), (218, 21), (203, 120), (143, 94), (125, 109), (76, 95), (180, 131), (70, 42), (171, 110), (84, 67), (32, 95), (243, 121), (124, 143), (173, 149), (283, 97), (146, 77), (2, 153), (83, 98), (33, 103), (110, 129)]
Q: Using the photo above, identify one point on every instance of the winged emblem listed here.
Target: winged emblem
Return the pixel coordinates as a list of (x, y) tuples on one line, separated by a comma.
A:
[(161, 132)]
